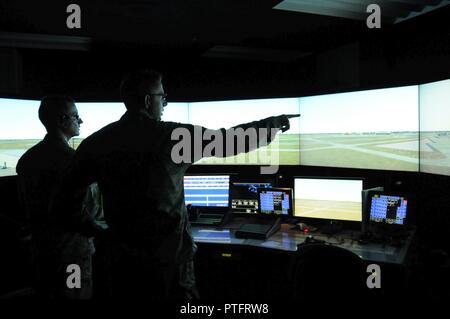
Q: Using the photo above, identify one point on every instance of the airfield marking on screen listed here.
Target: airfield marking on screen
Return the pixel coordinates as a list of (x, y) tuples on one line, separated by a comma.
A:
[(372, 129)]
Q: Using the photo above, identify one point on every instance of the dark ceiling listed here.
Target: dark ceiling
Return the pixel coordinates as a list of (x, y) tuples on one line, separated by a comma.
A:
[(207, 48)]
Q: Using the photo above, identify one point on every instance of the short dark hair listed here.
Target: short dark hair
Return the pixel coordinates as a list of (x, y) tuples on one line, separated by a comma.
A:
[(136, 84), (51, 107)]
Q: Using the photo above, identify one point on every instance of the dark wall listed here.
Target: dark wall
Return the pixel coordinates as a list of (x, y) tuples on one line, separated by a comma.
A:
[(412, 52), (15, 270)]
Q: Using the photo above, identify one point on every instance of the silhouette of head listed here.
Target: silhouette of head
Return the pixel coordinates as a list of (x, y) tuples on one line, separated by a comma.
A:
[(59, 113), (328, 270), (143, 90)]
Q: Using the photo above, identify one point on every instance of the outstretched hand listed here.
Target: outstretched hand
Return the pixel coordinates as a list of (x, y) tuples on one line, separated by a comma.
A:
[(286, 126)]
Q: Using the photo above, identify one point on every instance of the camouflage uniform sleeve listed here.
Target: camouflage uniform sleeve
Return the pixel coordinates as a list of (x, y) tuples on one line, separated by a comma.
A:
[(71, 206), (92, 204)]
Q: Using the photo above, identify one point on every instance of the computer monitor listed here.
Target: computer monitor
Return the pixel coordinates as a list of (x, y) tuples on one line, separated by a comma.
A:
[(207, 190), (275, 201), (244, 194), (388, 208), (328, 198), (366, 198)]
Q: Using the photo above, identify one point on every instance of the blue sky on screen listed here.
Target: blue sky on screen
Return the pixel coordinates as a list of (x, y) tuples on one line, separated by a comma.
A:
[(328, 189), (393, 109), (176, 112), (97, 115), (19, 119), (225, 114), (435, 106)]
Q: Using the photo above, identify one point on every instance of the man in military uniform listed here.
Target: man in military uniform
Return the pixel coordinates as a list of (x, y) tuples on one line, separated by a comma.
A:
[(39, 174), (142, 188)]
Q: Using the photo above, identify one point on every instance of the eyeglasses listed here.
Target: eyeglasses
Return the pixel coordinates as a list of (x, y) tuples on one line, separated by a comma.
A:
[(163, 97), (72, 117)]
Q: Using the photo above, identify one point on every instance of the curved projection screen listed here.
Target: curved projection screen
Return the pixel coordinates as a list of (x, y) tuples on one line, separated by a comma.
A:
[(435, 127), (21, 127), (373, 129), (284, 150)]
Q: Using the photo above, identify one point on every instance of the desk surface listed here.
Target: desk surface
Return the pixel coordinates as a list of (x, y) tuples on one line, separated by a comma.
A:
[(287, 240)]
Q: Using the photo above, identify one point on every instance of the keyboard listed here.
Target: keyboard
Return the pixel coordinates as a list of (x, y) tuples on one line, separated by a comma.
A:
[(210, 219), (259, 229)]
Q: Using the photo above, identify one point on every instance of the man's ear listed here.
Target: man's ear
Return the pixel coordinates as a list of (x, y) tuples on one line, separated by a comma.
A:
[(147, 101)]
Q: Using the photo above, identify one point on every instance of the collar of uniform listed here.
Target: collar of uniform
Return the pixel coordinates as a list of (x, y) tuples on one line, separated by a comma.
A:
[(137, 115), (56, 140)]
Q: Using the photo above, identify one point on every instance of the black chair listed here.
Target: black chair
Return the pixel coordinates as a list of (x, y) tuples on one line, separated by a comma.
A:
[(329, 272)]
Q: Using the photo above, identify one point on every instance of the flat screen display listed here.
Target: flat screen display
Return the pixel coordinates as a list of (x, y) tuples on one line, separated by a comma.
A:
[(244, 196), (275, 201), (332, 199), (207, 190), (390, 209)]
